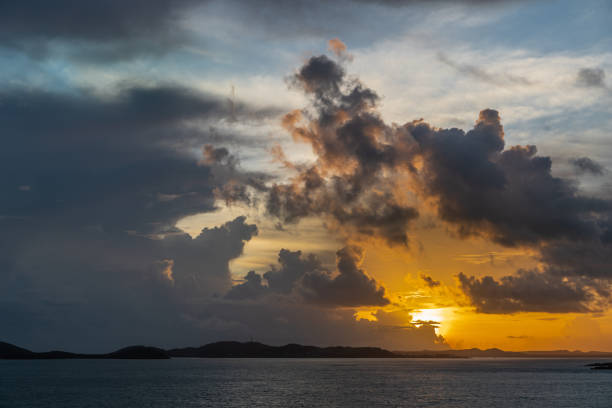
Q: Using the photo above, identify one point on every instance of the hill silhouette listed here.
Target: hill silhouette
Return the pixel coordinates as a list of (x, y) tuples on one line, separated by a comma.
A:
[(253, 349), (10, 351), (229, 349)]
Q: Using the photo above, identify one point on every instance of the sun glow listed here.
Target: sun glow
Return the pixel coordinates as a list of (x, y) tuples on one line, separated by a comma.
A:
[(435, 317)]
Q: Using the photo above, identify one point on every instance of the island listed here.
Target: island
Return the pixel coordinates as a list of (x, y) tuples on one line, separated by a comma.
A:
[(11, 352), (251, 349), (600, 366)]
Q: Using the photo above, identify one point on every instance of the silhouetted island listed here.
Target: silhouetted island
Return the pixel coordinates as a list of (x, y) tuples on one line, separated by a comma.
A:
[(223, 349), (228, 349), (10, 351), (252, 349), (600, 366)]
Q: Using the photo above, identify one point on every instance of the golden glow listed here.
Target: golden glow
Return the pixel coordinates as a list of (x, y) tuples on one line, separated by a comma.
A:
[(442, 316), (432, 252), (428, 315)]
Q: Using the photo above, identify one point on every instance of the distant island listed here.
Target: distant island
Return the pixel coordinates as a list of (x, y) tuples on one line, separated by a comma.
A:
[(600, 366), (12, 352), (234, 349), (226, 349)]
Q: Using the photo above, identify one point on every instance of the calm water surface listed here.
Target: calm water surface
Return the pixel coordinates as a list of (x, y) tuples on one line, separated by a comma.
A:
[(304, 383)]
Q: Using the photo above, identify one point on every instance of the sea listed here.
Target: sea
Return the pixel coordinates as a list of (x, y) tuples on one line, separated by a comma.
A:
[(191, 382)]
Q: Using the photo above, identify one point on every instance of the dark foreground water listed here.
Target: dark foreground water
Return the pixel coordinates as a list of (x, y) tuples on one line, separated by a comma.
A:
[(304, 383)]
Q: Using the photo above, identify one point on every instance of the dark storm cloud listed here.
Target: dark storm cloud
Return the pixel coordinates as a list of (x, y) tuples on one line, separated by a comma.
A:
[(528, 291), (251, 288), (234, 185), (89, 288), (509, 194), (112, 30), (587, 165), (304, 277), (591, 77), (92, 189), (482, 188), (123, 162), (591, 259), (367, 171), (293, 266), (351, 287), (98, 29)]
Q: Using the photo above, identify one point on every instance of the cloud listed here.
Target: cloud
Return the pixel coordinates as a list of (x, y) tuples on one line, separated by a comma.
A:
[(89, 288), (345, 135), (164, 269), (590, 259), (91, 248), (282, 322), (429, 281), (121, 162), (351, 287), (591, 78), (108, 29), (339, 49), (511, 194), (337, 46), (304, 279), (587, 165), (527, 291), (293, 267), (369, 176), (482, 75), (251, 288), (401, 3)]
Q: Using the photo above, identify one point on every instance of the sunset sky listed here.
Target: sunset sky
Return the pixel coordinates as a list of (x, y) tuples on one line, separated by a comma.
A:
[(404, 174)]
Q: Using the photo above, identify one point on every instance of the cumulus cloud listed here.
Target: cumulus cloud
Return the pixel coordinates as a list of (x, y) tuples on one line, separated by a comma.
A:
[(346, 134), (478, 185), (369, 177), (251, 288), (529, 291), (511, 194), (305, 279), (293, 267), (588, 165), (591, 78), (351, 287)]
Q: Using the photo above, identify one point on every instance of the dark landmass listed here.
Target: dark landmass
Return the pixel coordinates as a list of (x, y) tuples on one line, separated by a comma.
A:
[(600, 366), (225, 349), (12, 352), (253, 350)]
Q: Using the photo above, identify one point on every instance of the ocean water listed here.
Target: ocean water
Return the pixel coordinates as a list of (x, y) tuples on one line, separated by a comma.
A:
[(304, 383)]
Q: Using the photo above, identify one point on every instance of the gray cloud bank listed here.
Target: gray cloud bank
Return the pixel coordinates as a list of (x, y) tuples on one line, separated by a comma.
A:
[(106, 31)]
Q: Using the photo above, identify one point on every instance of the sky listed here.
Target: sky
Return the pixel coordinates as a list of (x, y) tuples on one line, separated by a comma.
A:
[(397, 173)]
